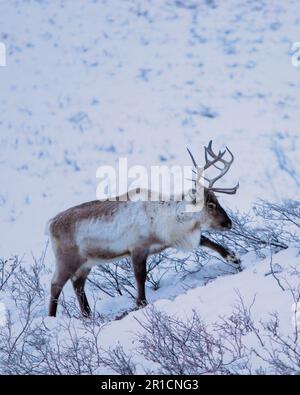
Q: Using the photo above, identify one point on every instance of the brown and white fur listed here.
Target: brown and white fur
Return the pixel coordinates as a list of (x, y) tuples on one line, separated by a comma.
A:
[(103, 231)]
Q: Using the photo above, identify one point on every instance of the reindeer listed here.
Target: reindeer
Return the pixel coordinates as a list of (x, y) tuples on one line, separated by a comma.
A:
[(103, 231)]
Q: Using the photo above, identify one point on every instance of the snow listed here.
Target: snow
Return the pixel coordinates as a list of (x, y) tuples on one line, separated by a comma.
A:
[(89, 82), (217, 299)]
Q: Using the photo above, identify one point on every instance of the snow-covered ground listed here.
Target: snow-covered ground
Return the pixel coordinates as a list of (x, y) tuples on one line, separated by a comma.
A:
[(89, 82), (217, 300)]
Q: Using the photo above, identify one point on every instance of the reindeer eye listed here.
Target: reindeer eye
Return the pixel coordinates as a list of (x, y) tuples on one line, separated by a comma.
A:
[(211, 206)]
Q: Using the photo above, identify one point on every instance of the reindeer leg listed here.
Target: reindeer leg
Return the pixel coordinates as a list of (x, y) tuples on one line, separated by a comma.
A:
[(78, 282), (139, 259), (67, 263), (58, 281), (228, 255)]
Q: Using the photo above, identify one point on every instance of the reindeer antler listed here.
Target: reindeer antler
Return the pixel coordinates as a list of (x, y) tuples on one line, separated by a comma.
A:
[(212, 162)]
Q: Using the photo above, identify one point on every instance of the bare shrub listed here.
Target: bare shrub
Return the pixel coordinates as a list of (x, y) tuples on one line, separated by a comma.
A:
[(7, 269), (287, 214), (118, 361), (191, 347), (185, 347), (29, 346)]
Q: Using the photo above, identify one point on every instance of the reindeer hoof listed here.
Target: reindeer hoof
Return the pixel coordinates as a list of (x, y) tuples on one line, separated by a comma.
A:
[(141, 303), (234, 261)]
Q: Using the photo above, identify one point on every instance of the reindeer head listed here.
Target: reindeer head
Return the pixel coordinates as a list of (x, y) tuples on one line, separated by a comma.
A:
[(214, 216)]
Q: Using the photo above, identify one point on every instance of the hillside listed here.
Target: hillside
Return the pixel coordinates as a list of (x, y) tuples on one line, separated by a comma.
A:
[(89, 82)]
